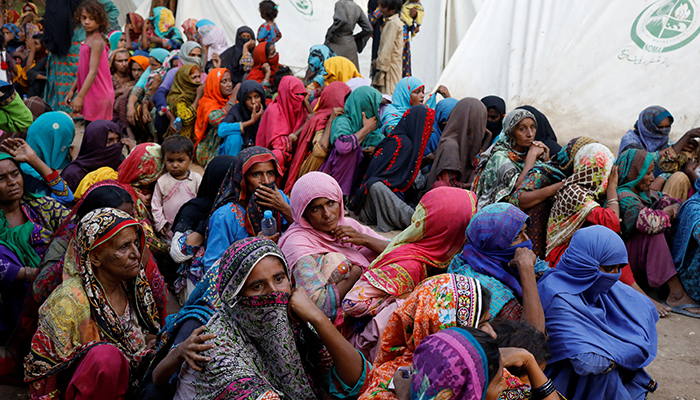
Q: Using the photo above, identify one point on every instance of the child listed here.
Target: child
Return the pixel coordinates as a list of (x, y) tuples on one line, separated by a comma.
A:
[(95, 98), (388, 62), (412, 23), (268, 32), (177, 187)]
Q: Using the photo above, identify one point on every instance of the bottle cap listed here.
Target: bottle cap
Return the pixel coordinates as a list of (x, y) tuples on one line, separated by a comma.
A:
[(178, 119), (267, 214)]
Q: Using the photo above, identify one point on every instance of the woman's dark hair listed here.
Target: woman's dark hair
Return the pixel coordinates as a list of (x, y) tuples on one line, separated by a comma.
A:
[(485, 300), (268, 9), (493, 355), (104, 196), (96, 11), (392, 4), (521, 335), (177, 144)]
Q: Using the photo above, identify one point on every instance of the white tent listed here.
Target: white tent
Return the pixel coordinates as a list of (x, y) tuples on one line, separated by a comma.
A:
[(303, 23), (590, 65)]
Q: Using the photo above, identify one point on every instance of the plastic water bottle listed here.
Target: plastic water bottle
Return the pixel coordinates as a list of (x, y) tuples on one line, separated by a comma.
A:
[(269, 225), (177, 124), (24, 97)]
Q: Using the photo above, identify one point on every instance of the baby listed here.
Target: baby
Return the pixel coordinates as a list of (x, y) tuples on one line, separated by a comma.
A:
[(177, 187), (412, 23)]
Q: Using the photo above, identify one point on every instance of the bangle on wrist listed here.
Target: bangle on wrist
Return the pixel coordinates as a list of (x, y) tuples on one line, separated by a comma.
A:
[(543, 391)]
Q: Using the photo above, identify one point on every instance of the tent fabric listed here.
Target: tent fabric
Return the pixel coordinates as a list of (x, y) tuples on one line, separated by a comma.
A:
[(591, 66)]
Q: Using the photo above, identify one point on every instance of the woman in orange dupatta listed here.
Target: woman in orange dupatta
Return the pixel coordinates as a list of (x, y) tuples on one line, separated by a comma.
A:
[(212, 109), (440, 302)]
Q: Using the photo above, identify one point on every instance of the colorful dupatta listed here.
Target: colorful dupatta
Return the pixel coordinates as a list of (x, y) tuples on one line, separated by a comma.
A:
[(77, 315), (234, 189), (431, 240), (366, 100), (164, 24), (211, 100), (184, 89), (400, 102), (646, 133), (579, 195), (256, 349), (50, 136), (453, 349), (440, 302), (316, 71), (259, 58), (332, 96)]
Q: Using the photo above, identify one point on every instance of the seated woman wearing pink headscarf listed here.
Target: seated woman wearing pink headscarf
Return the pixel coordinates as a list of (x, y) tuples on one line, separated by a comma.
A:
[(327, 252)]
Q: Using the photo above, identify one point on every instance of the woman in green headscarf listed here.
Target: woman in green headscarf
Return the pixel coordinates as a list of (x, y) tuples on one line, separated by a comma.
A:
[(183, 98), (646, 216), (354, 135)]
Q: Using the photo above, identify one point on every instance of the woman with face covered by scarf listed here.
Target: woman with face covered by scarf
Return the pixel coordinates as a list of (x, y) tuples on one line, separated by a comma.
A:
[(258, 351), (238, 59), (674, 171), (499, 254), (583, 295)]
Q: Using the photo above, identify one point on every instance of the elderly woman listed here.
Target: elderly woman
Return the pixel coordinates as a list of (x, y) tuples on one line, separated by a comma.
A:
[(326, 250), (499, 254), (505, 167), (95, 330), (27, 222), (122, 79), (423, 249), (647, 215), (258, 351), (440, 302), (583, 295), (249, 186), (674, 170)]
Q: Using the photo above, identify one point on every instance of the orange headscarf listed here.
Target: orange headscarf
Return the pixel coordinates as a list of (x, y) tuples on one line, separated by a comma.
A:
[(142, 61), (212, 100)]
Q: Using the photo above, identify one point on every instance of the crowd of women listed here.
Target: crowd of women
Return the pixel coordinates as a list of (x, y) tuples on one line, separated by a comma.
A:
[(522, 269)]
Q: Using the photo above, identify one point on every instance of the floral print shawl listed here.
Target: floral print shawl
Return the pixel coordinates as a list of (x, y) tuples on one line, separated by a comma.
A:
[(77, 315), (441, 302), (578, 197)]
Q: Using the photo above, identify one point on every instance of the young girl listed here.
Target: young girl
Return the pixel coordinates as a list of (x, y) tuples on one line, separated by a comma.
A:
[(95, 98), (268, 32)]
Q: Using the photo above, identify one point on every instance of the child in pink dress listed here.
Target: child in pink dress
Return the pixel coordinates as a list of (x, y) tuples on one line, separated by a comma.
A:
[(94, 87)]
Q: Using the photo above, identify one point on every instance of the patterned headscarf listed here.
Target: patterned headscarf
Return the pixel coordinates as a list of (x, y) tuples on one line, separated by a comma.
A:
[(318, 54), (13, 29), (164, 23), (453, 349), (578, 197), (77, 316), (440, 302), (190, 26), (234, 189), (257, 348), (646, 133), (633, 166)]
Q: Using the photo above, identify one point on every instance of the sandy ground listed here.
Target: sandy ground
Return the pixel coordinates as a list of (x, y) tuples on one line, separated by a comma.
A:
[(675, 368)]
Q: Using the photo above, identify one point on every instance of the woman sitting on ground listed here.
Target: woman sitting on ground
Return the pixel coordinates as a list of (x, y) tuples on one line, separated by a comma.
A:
[(213, 107), (326, 250), (248, 189), (315, 137), (354, 135), (183, 99), (95, 330), (583, 295), (685, 249), (258, 351), (387, 195), (409, 92), (647, 215), (674, 171), (504, 168), (239, 129), (440, 302), (499, 254), (425, 248)]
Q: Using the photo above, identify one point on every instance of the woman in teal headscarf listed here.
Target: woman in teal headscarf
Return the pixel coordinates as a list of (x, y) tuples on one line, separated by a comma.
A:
[(167, 35), (409, 92), (354, 134), (646, 216), (138, 117)]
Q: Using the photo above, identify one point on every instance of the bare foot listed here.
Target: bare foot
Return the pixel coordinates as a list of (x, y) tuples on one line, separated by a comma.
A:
[(685, 299), (660, 308)]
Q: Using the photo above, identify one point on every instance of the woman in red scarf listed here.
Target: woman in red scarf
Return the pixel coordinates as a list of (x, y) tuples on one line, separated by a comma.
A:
[(265, 65), (212, 109), (283, 119)]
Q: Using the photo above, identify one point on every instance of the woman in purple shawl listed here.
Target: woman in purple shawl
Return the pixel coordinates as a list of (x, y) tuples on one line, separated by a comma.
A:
[(583, 294), (101, 147)]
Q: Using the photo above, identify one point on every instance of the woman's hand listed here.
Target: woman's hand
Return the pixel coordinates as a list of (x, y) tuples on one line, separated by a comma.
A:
[(131, 114), (402, 385), (672, 210), (257, 113), (145, 115), (545, 152), (348, 234), (19, 149), (274, 238), (129, 143), (270, 198), (216, 60), (248, 46), (70, 95), (524, 259), (368, 124), (194, 239), (193, 345), (442, 89), (338, 111), (266, 69), (304, 308), (516, 357)]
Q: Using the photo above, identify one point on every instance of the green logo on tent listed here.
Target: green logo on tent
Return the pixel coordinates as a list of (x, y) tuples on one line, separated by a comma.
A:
[(666, 25), (305, 7)]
